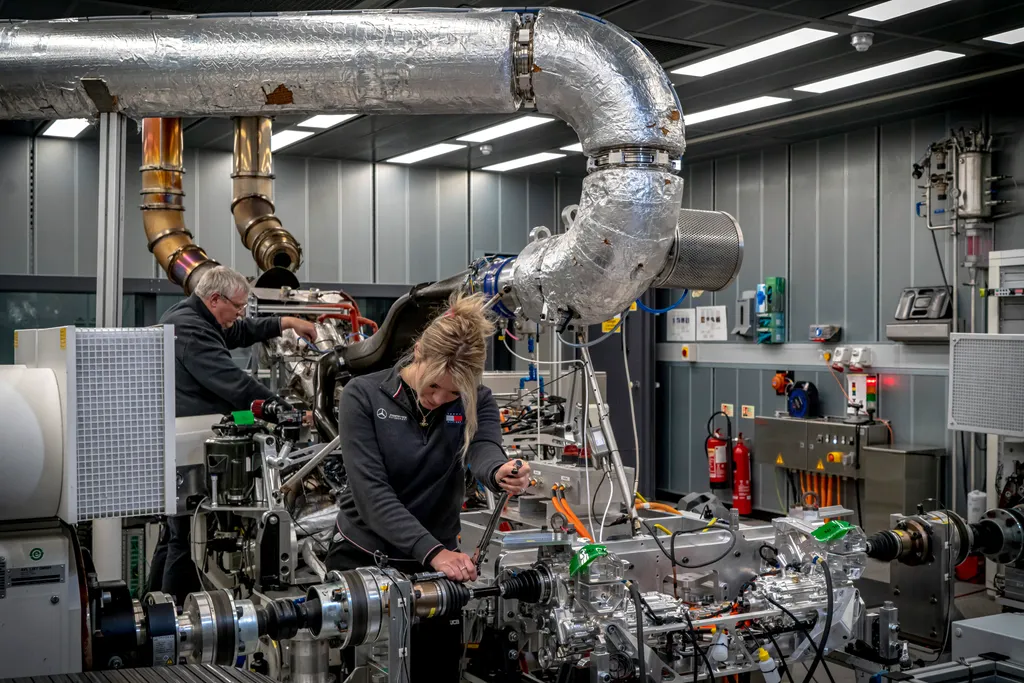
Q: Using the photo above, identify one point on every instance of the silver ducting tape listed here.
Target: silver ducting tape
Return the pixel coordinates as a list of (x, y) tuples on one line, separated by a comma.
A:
[(619, 242), (603, 83), (418, 62), (706, 254)]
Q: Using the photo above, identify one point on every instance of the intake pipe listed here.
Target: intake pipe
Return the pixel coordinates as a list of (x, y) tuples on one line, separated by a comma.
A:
[(163, 208), (574, 66), (252, 183)]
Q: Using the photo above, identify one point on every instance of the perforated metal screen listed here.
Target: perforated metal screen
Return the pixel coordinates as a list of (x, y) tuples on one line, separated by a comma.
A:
[(707, 252), (986, 377), (121, 407)]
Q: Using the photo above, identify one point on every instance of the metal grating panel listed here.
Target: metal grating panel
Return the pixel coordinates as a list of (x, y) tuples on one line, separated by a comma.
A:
[(985, 383), (120, 422)]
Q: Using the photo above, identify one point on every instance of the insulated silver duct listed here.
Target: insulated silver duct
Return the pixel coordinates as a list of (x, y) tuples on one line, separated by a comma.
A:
[(706, 254), (571, 65)]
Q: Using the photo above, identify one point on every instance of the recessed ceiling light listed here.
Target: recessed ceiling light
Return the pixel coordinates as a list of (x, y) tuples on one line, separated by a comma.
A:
[(752, 53), (287, 137), (507, 128), (731, 109), (1008, 37), (66, 128), (524, 161), (578, 147), (425, 153), (326, 120), (885, 11), (880, 71)]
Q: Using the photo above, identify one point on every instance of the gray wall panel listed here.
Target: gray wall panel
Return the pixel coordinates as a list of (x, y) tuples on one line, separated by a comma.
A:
[(542, 202), (392, 223), (88, 187), (423, 224), (802, 309), (701, 403), (453, 221), (702, 185), (322, 252), (775, 210), (357, 208), (56, 217), (895, 216), (138, 262), (750, 213), (861, 236), (485, 213), (292, 198), (726, 199), (212, 223), (14, 197), (832, 228), (568, 192), (514, 225)]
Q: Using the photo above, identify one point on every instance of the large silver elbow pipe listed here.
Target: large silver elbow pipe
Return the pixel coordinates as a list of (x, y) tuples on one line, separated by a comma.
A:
[(570, 65)]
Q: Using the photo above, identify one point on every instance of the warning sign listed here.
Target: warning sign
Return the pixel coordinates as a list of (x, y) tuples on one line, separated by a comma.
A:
[(610, 325), (821, 465), (778, 460)]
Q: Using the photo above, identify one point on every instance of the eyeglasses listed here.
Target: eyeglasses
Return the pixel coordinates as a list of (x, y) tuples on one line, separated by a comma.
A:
[(238, 307)]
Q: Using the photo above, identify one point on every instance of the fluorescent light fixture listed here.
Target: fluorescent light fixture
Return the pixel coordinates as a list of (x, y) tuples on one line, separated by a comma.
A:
[(1008, 37), (326, 120), (880, 71), (752, 53), (884, 11), (578, 147), (524, 161), (507, 128), (425, 153), (288, 137), (66, 128), (731, 109)]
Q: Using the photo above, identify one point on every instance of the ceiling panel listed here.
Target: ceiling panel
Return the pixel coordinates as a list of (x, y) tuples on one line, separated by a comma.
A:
[(692, 24), (641, 15)]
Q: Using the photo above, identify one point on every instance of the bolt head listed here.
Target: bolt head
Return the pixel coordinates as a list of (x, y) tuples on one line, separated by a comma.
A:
[(272, 519), (958, 633), (513, 637), (54, 599), (513, 655)]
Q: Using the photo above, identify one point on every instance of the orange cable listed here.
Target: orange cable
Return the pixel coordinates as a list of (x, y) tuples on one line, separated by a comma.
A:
[(836, 377), (581, 529), (839, 490)]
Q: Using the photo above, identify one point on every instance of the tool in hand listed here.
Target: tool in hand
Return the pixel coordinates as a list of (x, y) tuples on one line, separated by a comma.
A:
[(492, 522)]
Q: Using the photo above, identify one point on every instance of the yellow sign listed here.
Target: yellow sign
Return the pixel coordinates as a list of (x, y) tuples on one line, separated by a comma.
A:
[(15, 339), (632, 306), (778, 460), (821, 465), (63, 338), (609, 325)]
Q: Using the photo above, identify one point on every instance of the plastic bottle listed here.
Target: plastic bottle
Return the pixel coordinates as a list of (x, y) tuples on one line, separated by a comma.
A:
[(977, 503), (768, 667), (720, 647)]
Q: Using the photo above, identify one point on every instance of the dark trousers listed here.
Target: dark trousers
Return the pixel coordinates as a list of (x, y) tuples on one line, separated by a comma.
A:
[(436, 644), (173, 570)]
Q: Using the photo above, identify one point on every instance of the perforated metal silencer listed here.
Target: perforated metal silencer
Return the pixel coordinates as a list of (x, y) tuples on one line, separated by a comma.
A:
[(707, 253)]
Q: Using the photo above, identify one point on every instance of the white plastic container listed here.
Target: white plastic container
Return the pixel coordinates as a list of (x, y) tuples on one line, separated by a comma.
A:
[(768, 667), (976, 504)]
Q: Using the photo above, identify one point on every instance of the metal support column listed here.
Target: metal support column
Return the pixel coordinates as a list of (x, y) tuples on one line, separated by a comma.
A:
[(106, 533)]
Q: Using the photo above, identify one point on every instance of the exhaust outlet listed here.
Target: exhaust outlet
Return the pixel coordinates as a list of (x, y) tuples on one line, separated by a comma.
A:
[(706, 254)]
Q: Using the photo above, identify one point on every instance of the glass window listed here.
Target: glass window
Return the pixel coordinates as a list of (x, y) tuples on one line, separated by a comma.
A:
[(28, 310)]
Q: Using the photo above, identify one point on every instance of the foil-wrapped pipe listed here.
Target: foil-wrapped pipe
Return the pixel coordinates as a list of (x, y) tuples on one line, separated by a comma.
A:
[(618, 243), (603, 83), (252, 184), (163, 208), (408, 62)]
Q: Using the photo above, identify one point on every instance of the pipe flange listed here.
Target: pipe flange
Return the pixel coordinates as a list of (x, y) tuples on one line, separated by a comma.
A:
[(632, 157), (1010, 523), (161, 167), (201, 614), (161, 206), (252, 195), (251, 174), (523, 59), (247, 627), (247, 228), (162, 190), (167, 233)]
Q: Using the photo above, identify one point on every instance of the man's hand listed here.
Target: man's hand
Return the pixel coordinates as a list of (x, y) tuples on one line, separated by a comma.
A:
[(513, 483), (303, 328), (456, 566)]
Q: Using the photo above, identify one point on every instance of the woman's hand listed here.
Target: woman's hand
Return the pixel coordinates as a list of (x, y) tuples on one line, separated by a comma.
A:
[(514, 483), (456, 566)]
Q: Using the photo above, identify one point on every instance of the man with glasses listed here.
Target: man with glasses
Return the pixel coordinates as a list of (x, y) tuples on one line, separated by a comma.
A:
[(207, 325)]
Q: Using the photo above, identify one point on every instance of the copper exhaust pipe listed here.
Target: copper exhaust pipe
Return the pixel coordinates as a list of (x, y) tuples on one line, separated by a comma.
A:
[(253, 204), (163, 209)]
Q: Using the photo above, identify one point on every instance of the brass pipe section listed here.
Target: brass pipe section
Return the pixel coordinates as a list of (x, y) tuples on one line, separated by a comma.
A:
[(163, 208), (253, 197)]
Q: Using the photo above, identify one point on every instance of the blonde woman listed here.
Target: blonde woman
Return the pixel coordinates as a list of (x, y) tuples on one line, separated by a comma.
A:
[(407, 434)]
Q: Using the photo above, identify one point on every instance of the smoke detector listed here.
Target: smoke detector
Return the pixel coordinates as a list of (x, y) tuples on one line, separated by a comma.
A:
[(485, 149), (861, 41)]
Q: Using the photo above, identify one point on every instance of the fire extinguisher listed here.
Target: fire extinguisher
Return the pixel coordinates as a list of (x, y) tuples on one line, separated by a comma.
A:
[(718, 460), (741, 501)]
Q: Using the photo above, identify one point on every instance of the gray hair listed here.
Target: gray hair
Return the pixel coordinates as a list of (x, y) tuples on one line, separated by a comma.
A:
[(221, 280)]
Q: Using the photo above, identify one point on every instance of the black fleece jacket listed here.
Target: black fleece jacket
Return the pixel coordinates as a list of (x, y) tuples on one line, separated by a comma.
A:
[(206, 379), (406, 483)]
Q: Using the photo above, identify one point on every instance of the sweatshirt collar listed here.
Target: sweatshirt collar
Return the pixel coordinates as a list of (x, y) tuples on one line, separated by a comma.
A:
[(200, 307)]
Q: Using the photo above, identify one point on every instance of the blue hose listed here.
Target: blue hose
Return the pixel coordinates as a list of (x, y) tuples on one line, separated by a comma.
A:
[(659, 311)]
